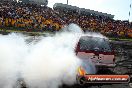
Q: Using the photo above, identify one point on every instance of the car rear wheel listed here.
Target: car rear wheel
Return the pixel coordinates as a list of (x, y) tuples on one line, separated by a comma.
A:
[(81, 80)]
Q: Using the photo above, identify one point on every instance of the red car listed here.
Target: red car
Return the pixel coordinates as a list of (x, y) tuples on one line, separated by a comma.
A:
[(98, 50)]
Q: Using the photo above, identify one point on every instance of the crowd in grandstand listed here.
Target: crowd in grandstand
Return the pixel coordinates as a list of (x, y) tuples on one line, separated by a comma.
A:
[(102, 24), (31, 17)]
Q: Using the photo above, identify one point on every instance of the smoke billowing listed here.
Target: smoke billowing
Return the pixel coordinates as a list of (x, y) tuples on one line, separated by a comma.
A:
[(12, 52), (52, 62), (48, 63)]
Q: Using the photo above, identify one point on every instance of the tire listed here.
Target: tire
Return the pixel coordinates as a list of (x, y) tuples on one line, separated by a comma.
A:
[(81, 80)]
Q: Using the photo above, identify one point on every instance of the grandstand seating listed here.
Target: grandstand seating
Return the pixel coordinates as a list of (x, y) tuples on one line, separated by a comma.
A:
[(31, 17)]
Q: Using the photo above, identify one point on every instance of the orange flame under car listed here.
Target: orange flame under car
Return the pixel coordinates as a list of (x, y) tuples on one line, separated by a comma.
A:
[(81, 71)]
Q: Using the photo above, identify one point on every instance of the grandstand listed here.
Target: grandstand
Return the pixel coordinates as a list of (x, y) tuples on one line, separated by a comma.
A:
[(29, 17), (94, 20), (82, 10), (6, 0), (38, 2)]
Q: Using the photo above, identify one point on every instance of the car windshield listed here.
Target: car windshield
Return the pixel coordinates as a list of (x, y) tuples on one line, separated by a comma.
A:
[(94, 44)]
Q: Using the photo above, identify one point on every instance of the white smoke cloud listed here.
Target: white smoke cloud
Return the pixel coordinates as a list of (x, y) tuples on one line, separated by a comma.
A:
[(12, 51), (53, 61), (47, 63)]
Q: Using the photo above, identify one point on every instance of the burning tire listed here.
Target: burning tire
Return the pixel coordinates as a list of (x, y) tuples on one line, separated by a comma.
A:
[(81, 80)]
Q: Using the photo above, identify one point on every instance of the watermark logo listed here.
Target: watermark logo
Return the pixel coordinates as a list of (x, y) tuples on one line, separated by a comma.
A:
[(104, 79)]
